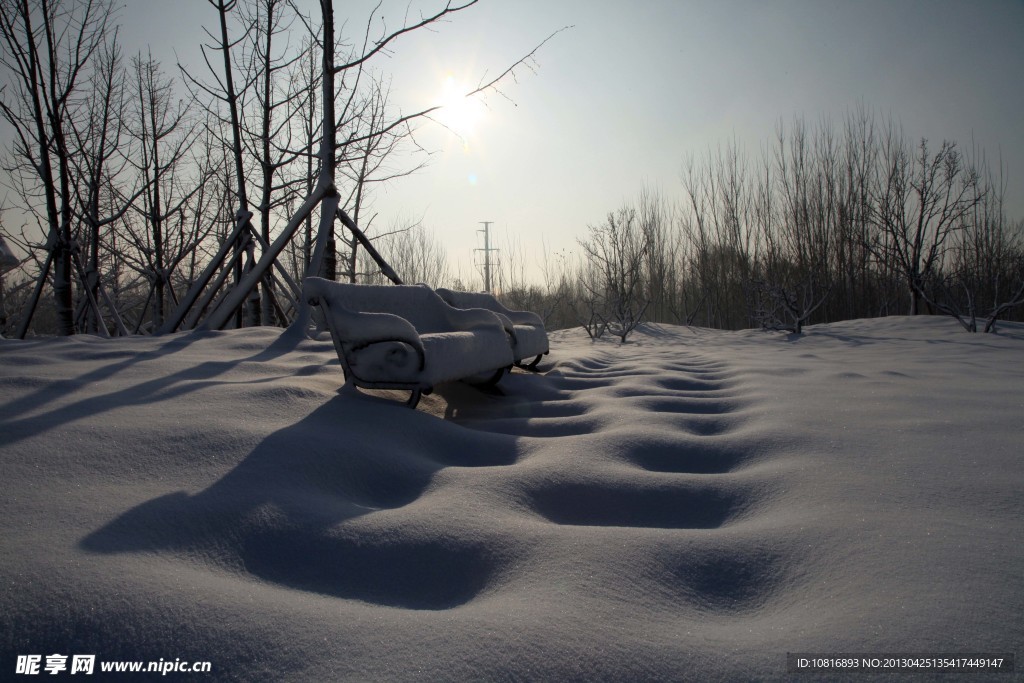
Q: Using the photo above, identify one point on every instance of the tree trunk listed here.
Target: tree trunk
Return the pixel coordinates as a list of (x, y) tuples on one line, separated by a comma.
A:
[(62, 293)]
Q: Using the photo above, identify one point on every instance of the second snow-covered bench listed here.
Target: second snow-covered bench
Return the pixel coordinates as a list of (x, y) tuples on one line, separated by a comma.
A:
[(407, 337), (525, 329)]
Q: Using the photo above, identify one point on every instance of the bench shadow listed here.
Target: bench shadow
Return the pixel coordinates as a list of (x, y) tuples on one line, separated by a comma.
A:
[(283, 514)]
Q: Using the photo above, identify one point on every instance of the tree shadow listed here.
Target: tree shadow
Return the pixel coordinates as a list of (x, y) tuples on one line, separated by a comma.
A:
[(14, 427)]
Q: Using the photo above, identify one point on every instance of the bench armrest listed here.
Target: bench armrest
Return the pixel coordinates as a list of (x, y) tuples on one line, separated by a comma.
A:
[(354, 330)]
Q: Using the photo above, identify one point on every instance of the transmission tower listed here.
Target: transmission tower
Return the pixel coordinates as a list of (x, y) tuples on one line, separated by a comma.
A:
[(487, 254)]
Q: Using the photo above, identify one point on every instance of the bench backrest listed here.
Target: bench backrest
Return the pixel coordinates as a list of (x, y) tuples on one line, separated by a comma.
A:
[(490, 303), (419, 305), (472, 300)]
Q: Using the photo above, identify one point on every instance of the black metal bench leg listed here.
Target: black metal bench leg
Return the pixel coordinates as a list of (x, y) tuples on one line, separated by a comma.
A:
[(414, 398), (533, 364)]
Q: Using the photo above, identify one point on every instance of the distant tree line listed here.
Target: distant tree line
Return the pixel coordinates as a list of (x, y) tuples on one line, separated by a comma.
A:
[(128, 188), (831, 222)]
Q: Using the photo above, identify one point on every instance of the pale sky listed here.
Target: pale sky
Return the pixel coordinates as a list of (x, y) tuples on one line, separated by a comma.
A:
[(624, 97)]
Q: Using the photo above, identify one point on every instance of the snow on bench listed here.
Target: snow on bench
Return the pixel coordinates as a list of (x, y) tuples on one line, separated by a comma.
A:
[(407, 337), (524, 328)]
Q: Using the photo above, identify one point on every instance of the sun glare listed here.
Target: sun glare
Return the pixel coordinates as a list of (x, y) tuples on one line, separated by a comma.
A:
[(458, 113)]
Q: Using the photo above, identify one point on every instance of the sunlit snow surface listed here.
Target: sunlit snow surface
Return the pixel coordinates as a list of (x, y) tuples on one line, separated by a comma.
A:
[(688, 506)]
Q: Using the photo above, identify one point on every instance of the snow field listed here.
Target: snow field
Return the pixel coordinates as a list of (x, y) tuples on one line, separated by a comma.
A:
[(690, 505)]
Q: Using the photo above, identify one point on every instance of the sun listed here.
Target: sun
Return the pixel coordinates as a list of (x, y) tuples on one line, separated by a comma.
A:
[(460, 114)]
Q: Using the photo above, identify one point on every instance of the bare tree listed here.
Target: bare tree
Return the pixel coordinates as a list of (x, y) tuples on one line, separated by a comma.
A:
[(256, 137), (720, 244), (787, 306), (619, 248), (413, 251), (324, 195), (983, 277), (588, 303), (306, 82), (661, 278), (856, 281), (796, 214), (227, 94), (919, 200), (48, 47), (269, 106), (162, 235), (366, 156), (100, 164)]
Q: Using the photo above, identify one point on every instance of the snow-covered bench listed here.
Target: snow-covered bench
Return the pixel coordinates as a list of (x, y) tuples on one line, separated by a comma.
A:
[(407, 337), (525, 329)]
